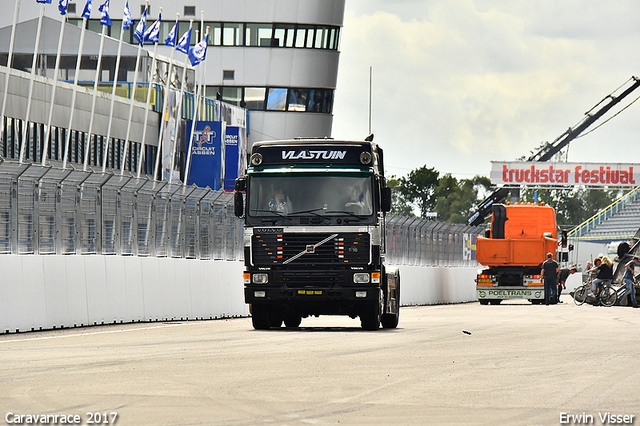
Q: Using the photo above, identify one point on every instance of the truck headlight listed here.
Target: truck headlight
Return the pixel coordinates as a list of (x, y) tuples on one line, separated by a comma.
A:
[(361, 278), (260, 278)]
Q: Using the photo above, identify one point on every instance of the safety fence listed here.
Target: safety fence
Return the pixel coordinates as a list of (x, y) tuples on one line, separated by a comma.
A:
[(423, 242), (49, 210)]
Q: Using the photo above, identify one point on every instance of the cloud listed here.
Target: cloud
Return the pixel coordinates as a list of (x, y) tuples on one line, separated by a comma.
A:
[(457, 84)]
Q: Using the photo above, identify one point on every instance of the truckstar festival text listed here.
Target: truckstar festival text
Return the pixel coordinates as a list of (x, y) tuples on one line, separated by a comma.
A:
[(565, 173)]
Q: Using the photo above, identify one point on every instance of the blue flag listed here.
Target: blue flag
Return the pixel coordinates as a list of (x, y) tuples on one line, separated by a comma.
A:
[(138, 34), (198, 53), (86, 13), (173, 36), (126, 17), (62, 6), (44, 1), (152, 34), (105, 19), (185, 41)]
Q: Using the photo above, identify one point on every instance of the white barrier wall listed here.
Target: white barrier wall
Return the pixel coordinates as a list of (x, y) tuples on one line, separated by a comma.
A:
[(45, 292), (437, 285)]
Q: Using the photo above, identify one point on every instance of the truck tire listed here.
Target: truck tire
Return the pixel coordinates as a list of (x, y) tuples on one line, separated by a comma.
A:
[(292, 320), (370, 315), (483, 301), (260, 317), (391, 320)]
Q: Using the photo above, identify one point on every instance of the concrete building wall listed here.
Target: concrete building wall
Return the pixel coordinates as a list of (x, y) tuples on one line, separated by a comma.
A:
[(18, 97)]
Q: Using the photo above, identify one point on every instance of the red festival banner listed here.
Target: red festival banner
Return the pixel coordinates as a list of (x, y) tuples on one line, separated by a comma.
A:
[(564, 174)]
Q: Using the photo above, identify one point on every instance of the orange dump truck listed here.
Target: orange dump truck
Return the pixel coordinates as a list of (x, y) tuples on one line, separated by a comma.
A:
[(513, 250)]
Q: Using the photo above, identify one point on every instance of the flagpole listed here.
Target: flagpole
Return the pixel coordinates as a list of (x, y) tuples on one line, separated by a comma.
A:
[(93, 100), (113, 97), (53, 89), (193, 124), (74, 94), (32, 78), (183, 83), (148, 103), (9, 63), (132, 98), (163, 110), (196, 99)]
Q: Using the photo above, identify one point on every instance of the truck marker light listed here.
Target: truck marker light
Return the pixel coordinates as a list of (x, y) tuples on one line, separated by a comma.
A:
[(256, 159), (247, 277), (375, 277)]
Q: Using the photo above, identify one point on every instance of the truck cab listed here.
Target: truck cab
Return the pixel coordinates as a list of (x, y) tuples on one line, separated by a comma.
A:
[(314, 244)]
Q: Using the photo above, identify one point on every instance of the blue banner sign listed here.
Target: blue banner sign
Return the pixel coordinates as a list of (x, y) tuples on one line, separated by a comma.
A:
[(232, 157), (206, 155)]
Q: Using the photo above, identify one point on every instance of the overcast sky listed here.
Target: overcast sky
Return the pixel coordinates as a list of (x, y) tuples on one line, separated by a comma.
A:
[(458, 83)]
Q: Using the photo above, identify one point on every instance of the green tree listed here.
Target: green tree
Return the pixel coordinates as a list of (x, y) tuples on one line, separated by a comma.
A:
[(418, 189), (399, 206), (457, 200)]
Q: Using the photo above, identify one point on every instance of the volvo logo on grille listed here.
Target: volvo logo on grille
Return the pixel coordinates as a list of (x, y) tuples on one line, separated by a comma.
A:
[(311, 248)]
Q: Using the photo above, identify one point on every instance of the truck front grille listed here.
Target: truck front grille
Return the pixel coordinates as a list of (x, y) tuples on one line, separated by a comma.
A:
[(299, 279), (295, 249)]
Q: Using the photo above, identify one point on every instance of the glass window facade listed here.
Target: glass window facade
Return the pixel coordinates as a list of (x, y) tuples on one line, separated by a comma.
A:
[(294, 99), (233, 34)]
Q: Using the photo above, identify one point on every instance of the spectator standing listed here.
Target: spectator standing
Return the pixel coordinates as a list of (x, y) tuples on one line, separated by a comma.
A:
[(550, 274), (629, 279)]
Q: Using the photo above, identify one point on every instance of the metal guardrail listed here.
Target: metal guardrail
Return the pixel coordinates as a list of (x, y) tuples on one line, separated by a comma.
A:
[(604, 214), (423, 242), (49, 210)]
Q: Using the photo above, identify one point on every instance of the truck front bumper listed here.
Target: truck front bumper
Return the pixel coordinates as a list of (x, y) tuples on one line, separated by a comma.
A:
[(492, 293), (310, 295)]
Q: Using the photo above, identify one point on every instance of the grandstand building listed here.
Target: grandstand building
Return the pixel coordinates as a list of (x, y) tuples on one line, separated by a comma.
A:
[(278, 59)]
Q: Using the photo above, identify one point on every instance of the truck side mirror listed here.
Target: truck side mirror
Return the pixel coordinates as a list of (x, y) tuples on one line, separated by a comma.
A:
[(238, 205), (386, 199), (564, 239), (241, 184)]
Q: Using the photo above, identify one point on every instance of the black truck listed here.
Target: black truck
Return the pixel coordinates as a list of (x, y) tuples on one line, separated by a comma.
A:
[(314, 237)]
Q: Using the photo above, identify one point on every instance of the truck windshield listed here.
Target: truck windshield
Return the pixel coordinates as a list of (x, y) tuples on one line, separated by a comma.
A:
[(295, 194)]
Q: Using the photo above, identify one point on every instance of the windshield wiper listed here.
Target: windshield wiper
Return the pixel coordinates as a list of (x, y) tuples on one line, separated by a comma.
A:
[(357, 216), (312, 211), (275, 212)]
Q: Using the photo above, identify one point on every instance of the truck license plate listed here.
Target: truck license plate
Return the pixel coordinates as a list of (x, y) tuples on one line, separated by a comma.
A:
[(310, 292)]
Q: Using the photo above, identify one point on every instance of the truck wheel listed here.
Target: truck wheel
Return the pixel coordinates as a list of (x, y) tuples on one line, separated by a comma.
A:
[(483, 301), (275, 319), (495, 301), (292, 320), (260, 317), (370, 315), (391, 320)]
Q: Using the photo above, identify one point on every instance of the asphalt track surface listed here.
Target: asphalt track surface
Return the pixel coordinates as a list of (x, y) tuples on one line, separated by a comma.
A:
[(452, 364)]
